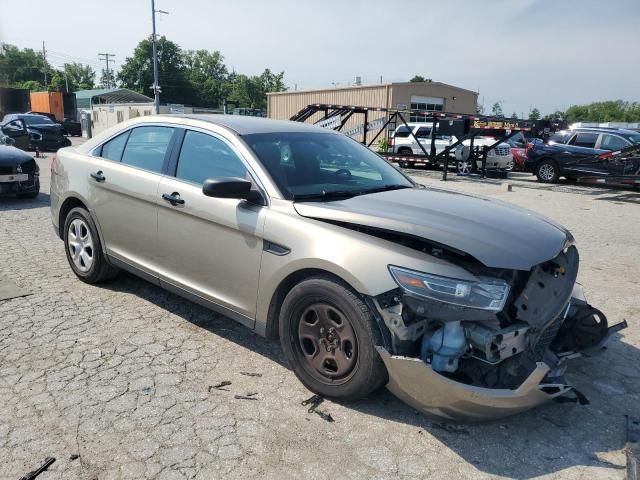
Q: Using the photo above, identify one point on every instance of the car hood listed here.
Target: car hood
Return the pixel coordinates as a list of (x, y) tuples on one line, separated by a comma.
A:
[(12, 157), (497, 234)]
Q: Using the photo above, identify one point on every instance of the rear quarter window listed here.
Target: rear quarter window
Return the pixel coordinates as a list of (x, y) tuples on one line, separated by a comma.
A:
[(113, 149)]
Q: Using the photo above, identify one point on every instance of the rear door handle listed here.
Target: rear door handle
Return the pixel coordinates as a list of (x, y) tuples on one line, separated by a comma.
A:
[(174, 198), (98, 176)]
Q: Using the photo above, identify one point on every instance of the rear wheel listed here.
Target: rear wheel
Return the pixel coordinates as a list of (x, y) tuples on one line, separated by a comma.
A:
[(548, 171), (328, 336), (464, 167), (83, 248)]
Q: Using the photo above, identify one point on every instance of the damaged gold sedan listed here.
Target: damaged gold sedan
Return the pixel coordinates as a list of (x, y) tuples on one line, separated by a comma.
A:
[(464, 307)]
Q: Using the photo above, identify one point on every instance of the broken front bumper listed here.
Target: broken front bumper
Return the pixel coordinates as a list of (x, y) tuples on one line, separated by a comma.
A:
[(417, 384)]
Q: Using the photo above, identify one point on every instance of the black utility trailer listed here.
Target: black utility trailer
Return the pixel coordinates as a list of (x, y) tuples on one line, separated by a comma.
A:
[(462, 126)]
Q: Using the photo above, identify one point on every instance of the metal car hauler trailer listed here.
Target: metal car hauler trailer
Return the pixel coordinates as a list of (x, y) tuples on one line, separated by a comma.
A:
[(461, 125)]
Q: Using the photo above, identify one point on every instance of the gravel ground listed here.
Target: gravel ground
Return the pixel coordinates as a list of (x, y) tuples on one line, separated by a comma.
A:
[(122, 375)]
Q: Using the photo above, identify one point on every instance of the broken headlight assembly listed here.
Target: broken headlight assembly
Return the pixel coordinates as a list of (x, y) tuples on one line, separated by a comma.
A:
[(485, 294)]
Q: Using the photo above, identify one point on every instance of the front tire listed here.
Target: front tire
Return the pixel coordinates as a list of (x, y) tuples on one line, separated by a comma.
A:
[(548, 171), (83, 248), (328, 336)]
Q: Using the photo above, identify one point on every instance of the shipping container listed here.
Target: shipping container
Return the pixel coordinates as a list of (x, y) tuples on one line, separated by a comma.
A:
[(48, 102)]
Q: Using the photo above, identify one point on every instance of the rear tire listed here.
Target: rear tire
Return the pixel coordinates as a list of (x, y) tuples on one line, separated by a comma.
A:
[(84, 250), (547, 171), (328, 336)]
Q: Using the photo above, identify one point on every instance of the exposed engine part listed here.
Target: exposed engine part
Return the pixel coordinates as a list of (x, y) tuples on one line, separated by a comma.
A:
[(585, 327), (493, 346), (402, 333), (445, 346)]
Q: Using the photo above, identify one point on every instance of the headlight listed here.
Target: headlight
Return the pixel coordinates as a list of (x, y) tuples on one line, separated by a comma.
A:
[(486, 294)]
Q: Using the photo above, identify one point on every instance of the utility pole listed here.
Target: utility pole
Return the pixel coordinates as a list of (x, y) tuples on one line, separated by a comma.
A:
[(156, 86), (105, 56), (44, 64)]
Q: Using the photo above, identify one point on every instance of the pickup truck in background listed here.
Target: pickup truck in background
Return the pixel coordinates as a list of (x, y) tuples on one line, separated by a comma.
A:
[(573, 154), (402, 142)]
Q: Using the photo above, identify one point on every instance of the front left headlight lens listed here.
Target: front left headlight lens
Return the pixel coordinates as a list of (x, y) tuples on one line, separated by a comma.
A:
[(486, 294)]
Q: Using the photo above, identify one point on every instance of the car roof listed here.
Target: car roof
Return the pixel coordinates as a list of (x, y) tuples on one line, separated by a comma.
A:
[(619, 131), (246, 125)]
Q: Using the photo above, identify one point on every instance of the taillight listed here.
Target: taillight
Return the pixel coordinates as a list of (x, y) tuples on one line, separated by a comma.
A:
[(391, 142), (529, 146)]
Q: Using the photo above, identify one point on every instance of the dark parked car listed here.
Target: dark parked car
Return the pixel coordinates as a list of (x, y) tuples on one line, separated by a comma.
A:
[(72, 127), (574, 154), (19, 172), (31, 131)]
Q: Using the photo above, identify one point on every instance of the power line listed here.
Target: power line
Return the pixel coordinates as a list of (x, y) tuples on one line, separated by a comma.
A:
[(106, 58)]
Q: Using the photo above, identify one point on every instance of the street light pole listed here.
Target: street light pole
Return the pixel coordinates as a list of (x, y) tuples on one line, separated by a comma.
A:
[(156, 92)]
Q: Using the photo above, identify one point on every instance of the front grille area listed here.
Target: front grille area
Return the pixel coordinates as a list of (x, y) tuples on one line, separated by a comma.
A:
[(7, 170), (502, 151)]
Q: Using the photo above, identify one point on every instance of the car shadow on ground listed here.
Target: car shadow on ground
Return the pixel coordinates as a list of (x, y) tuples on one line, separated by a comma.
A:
[(12, 202), (623, 198), (543, 441)]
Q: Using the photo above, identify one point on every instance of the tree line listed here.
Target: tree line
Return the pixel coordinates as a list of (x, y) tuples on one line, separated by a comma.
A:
[(607, 111), (191, 77)]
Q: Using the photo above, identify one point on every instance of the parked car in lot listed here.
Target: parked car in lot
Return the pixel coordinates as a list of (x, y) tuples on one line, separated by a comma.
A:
[(573, 154), (402, 142), (19, 172), (518, 144), (32, 131), (463, 306), (498, 158)]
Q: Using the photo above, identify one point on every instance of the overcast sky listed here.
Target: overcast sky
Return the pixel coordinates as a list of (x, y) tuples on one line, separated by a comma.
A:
[(542, 53)]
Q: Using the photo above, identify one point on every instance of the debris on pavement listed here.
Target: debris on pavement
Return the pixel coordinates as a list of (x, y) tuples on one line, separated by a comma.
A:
[(219, 386), (313, 403), (449, 427), (251, 374), (75, 456), (246, 397), (31, 475)]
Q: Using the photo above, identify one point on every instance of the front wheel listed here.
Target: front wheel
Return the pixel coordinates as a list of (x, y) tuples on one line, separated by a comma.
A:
[(548, 171), (328, 336)]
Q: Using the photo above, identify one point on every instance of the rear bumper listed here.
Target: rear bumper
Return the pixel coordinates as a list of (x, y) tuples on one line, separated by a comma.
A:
[(417, 384)]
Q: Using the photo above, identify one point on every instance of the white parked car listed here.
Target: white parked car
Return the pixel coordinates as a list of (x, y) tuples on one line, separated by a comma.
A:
[(498, 158), (403, 142)]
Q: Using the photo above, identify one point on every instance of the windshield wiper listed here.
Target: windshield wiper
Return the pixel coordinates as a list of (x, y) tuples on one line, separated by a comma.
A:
[(385, 188), (325, 196)]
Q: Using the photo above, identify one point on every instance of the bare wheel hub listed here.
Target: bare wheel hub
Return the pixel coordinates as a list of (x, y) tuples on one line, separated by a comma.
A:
[(327, 342)]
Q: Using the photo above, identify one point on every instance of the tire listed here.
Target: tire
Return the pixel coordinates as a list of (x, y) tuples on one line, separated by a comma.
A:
[(80, 235), (547, 171), (403, 164), (328, 336), (463, 167)]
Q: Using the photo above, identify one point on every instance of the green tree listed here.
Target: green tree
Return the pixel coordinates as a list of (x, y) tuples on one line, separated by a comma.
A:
[(80, 76), (607, 111), (137, 71), (534, 114), (207, 74), (514, 115), (18, 66), (417, 78), (496, 110)]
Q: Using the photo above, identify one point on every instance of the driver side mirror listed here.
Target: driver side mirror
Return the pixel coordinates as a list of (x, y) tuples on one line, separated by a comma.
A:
[(238, 188), (17, 125)]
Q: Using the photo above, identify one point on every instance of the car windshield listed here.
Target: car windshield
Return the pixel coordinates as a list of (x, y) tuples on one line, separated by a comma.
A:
[(323, 166), (36, 120)]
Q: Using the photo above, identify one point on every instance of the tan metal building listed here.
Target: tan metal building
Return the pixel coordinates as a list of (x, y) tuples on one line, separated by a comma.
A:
[(432, 96)]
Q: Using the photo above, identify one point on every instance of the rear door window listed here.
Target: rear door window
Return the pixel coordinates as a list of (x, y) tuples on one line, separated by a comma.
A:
[(612, 142), (584, 139), (147, 147), (113, 149), (402, 132), (204, 156), (423, 132)]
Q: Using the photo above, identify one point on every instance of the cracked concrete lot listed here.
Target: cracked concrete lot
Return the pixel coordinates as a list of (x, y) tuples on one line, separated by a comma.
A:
[(123, 375)]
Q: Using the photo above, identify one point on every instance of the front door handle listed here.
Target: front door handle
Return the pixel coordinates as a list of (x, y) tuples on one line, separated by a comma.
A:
[(174, 198), (98, 176)]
